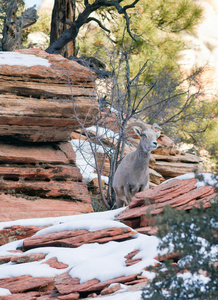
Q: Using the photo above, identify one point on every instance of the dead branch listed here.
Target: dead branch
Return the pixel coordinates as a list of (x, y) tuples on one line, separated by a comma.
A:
[(13, 25), (83, 18)]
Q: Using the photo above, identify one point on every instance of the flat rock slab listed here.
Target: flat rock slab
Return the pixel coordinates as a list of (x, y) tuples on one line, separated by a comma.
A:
[(71, 296), (77, 238), (60, 69), (16, 232), (31, 296), (178, 193), (175, 185), (13, 208), (60, 153), (169, 169), (25, 283), (65, 284)]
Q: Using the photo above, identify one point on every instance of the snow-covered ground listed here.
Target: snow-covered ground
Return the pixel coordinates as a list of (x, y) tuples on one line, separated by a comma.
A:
[(101, 261)]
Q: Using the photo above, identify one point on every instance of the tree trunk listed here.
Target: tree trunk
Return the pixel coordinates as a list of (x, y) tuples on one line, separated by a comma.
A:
[(63, 9)]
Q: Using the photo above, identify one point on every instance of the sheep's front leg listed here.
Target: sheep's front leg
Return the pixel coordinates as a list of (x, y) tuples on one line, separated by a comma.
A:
[(128, 193), (119, 202)]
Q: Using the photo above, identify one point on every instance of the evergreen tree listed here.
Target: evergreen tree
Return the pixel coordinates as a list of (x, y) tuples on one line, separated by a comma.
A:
[(157, 29), (193, 237)]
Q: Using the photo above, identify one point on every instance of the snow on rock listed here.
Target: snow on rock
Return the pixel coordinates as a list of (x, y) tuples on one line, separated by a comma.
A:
[(103, 132), (4, 292), (203, 179), (109, 252), (85, 159), (93, 253), (40, 222), (125, 296), (19, 59)]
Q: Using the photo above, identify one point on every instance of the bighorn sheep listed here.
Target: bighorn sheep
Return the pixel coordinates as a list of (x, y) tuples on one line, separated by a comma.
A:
[(132, 175)]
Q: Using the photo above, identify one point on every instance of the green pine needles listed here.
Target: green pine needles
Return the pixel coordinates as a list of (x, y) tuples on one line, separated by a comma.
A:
[(193, 236)]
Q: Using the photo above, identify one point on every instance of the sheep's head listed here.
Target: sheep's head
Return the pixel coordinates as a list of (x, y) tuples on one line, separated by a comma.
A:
[(148, 136)]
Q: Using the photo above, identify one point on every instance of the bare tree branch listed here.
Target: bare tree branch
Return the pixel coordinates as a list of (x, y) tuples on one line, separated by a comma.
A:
[(68, 22), (13, 25), (98, 22)]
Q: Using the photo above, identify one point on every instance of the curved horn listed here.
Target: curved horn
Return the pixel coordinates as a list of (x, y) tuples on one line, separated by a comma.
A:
[(139, 124), (155, 125)]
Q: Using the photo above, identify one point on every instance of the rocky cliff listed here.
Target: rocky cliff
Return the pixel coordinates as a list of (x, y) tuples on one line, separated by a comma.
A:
[(42, 98)]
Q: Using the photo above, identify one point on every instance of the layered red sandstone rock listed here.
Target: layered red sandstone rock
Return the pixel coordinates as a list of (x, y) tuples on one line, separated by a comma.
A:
[(38, 103), (39, 108), (177, 193)]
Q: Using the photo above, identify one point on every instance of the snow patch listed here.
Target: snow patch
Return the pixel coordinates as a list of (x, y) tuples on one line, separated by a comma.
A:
[(20, 59), (106, 261), (90, 225), (10, 247), (4, 292), (103, 132), (85, 158), (203, 179), (84, 152), (34, 269), (40, 222)]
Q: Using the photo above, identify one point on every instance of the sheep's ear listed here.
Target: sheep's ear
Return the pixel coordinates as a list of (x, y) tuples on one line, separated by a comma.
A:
[(158, 134), (137, 131)]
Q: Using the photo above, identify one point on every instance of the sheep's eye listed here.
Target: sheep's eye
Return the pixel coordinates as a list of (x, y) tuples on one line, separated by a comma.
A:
[(143, 135)]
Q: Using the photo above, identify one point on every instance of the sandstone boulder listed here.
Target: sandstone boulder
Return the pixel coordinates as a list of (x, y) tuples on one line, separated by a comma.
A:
[(41, 102), (177, 193)]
